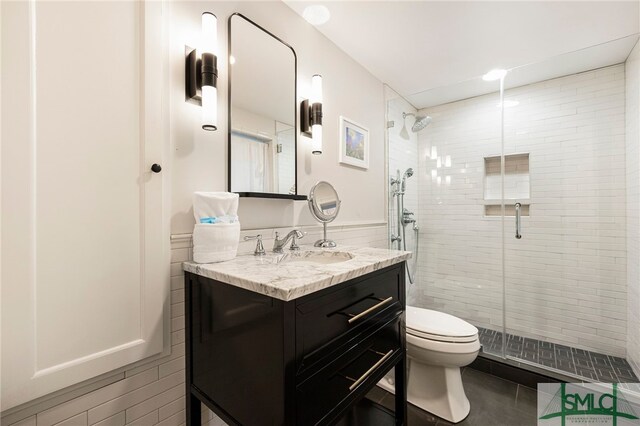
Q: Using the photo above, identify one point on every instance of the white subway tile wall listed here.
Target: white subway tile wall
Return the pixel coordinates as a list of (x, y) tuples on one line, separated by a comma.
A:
[(460, 265), (566, 278), (152, 392), (632, 72)]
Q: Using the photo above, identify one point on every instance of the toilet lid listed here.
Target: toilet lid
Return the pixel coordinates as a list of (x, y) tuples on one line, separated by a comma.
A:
[(439, 326)]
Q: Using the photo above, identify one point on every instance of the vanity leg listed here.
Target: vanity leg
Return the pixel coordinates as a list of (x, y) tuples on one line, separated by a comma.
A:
[(192, 404), (194, 415), (401, 391)]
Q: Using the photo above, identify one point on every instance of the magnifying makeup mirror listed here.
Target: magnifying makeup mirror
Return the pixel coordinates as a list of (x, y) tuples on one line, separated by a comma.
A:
[(324, 205)]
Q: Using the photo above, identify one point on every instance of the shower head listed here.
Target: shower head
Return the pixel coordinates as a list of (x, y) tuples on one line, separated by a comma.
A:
[(421, 121), (407, 174)]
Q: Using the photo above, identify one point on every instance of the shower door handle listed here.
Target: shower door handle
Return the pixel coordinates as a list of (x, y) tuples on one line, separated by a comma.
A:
[(518, 234)]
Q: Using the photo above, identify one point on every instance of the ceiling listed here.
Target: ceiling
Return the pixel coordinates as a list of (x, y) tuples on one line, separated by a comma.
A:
[(590, 58), (416, 46)]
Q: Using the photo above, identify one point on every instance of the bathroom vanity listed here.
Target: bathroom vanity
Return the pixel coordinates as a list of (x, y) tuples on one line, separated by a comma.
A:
[(297, 338)]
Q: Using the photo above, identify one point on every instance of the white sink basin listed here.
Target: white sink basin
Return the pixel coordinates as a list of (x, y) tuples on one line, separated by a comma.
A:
[(315, 257)]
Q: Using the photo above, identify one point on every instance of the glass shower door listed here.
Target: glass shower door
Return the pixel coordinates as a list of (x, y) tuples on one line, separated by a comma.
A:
[(565, 219)]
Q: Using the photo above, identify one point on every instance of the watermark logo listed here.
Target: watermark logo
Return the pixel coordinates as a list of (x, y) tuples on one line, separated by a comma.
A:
[(588, 404)]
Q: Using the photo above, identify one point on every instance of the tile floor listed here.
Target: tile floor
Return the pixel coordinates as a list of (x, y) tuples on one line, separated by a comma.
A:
[(577, 362), (494, 402)]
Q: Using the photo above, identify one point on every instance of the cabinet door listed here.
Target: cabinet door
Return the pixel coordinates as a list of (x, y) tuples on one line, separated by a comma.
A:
[(84, 239)]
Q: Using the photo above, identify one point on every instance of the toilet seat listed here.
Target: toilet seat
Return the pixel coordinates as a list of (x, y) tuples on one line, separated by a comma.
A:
[(439, 326), (450, 348), (440, 338)]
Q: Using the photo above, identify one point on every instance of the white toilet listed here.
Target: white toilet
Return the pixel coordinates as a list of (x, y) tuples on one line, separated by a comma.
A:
[(438, 344)]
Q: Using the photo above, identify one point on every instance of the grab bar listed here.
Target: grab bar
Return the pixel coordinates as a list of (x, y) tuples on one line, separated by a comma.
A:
[(518, 234)]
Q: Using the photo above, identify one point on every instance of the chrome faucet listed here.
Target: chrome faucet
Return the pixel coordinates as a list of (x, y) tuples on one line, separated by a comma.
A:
[(278, 243)]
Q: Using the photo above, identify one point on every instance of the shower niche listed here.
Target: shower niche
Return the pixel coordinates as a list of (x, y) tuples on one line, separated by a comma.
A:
[(516, 184)]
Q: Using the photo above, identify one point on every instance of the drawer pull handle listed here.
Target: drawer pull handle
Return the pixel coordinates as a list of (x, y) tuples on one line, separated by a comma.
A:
[(371, 309), (369, 371)]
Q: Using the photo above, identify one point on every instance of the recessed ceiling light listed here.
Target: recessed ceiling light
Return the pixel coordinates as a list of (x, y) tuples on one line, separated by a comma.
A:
[(316, 14), (508, 103), (494, 75)]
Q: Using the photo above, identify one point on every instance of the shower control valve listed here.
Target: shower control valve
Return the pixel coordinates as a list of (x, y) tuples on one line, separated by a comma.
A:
[(407, 217)]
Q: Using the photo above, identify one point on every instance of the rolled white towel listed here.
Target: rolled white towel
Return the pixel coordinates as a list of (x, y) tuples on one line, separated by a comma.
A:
[(214, 204)]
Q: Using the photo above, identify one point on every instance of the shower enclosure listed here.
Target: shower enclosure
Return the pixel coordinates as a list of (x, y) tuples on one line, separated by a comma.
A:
[(518, 194)]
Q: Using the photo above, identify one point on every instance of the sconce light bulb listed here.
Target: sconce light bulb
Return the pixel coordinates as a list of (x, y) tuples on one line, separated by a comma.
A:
[(209, 33), (316, 139), (209, 108), (316, 89)]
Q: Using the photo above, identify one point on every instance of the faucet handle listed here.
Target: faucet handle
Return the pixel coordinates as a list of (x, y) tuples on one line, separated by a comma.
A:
[(259, 251), (294, 245)]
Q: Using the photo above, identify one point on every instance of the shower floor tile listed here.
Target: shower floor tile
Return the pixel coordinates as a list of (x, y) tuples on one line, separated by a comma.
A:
[(588, 365)]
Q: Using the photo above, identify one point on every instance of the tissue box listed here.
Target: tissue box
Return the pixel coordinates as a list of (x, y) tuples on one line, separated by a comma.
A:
[(215, 242)]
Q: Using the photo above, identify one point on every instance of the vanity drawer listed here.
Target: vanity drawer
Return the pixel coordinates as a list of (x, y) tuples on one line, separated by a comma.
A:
[(323, 395), (332, 316)]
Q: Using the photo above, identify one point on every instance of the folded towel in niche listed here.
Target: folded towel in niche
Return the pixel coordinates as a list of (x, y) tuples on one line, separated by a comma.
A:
[(214, 204)]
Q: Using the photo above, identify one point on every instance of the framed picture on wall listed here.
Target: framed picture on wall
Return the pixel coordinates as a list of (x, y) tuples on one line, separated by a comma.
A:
[(354, 144)]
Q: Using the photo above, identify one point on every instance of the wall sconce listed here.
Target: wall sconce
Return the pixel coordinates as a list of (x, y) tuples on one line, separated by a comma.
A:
[(311, 115), (201, 73)]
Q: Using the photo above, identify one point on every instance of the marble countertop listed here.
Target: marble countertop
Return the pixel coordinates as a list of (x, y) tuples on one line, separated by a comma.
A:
[(275, 276)]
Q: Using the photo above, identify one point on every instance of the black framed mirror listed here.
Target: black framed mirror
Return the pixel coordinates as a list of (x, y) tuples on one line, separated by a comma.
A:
[(263, 125)]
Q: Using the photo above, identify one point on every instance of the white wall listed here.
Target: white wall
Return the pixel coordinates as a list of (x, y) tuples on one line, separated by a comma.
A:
[(632, 72), (151, 392), (566, 278), (199, 162)]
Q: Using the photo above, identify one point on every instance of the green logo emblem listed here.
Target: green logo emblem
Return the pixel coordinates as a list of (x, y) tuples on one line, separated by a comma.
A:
[(588, 403)]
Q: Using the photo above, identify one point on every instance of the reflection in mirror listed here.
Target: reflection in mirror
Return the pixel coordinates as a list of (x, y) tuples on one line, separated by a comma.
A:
[(262, 121), (324, 204)]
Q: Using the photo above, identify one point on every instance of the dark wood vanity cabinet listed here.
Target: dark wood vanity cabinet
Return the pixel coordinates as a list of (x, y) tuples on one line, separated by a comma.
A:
[(256, 360)]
